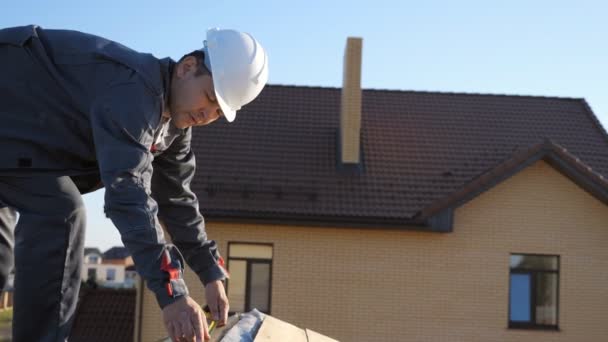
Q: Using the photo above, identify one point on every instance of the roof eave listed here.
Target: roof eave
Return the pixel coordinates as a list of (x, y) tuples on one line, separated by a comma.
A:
[(550, 152), (440, 223)]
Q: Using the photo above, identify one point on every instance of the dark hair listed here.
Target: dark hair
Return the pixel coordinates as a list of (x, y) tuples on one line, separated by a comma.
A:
[(200, 59)]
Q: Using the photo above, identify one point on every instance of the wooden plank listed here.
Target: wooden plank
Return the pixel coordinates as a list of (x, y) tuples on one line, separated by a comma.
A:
[(275, 330), (314, 336)]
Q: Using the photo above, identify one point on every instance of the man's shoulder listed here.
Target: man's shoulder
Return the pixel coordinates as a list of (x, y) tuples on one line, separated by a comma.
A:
[(144, 64), (17, 35), (71, 44)]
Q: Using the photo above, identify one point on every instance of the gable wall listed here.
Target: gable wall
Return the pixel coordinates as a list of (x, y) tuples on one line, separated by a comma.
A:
[(389, 285)]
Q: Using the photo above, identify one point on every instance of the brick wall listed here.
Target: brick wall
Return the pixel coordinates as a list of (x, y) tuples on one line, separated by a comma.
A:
[(389, 285)]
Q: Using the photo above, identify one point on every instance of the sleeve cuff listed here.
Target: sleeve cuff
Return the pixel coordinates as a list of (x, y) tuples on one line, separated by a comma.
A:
[(179, 289), (213, 273)]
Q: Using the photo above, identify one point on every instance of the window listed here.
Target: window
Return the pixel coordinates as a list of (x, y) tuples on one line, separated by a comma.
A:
[(111, 274), (534, 291), (92, 274), (93, 259), (250, 267)]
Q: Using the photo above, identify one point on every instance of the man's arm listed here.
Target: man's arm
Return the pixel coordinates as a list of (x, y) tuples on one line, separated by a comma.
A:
[(122, 134), (121, 120), (179, 209)]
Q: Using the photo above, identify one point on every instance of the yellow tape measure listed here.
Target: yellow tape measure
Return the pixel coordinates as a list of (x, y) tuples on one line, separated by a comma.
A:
[(209, 318)]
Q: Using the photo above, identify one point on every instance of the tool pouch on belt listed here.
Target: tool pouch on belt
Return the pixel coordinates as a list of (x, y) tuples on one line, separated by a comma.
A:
[(172, 262)]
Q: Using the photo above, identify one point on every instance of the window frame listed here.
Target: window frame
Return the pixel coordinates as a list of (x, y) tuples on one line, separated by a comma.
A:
[(113, 270), (249, 261), (533, 287)]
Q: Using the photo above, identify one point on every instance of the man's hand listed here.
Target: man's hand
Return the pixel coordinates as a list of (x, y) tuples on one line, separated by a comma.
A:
[(184, 321), (217, 301)]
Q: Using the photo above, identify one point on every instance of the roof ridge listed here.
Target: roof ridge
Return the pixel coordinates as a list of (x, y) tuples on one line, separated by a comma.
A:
[(437, 92)]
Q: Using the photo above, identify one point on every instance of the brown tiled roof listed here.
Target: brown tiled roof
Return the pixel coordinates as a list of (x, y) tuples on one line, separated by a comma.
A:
[(548, 151), (278, 160), (104, 315), (88, 250), (117, 252)]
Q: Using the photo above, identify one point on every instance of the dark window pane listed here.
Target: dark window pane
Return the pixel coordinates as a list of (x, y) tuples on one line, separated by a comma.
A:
[(546, 298), (259, 291), (520, 297), (534, 262)]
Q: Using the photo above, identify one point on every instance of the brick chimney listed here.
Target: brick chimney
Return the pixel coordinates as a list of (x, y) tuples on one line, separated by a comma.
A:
[(350, 110)]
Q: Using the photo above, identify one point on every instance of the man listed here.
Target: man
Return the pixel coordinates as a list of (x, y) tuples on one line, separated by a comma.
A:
[(77, 109)]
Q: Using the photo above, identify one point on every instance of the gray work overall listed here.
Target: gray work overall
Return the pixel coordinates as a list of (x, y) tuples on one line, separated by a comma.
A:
[(78, 112)]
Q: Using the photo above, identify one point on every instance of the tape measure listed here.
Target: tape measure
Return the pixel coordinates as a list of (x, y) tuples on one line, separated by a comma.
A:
[(208, 316)]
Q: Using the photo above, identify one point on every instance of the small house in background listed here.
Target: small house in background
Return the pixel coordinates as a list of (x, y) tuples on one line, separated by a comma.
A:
[(118, 255), (114, 268), (130, 277), (382, 215), (92, 256)]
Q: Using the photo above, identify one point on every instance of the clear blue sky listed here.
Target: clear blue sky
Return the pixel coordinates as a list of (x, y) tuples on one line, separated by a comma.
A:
[(551, 48)]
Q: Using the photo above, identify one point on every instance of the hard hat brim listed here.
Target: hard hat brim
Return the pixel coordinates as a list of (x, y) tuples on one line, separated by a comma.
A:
[(229, 113), (238, 66)]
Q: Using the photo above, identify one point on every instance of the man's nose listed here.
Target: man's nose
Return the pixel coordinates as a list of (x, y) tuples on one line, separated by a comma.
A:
[(205, 116), (200, 116), (211, 111)]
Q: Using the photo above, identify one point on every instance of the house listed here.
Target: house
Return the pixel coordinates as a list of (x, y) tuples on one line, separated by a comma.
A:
[(384, 215), (114, 268), (118, 255), (92, 255), (130, 277)]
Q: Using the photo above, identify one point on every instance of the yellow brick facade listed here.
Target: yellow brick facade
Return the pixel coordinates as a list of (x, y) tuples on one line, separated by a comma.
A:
[(391, 285)]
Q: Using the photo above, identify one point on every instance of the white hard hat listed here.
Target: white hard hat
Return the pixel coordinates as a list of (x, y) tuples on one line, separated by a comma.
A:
[(239, 68)]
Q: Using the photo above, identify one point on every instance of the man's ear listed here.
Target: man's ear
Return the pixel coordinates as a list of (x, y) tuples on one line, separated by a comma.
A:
[(187, 66)]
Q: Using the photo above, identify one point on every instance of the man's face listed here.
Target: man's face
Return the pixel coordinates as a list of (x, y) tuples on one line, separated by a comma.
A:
[(193, 101)]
